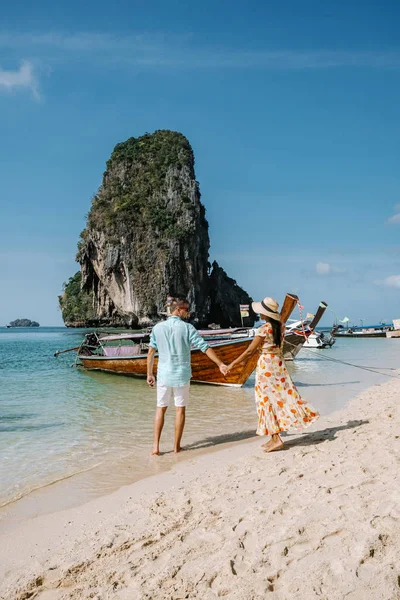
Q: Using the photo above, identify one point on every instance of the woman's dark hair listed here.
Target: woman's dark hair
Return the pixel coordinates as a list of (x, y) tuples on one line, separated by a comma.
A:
[(276, 331)]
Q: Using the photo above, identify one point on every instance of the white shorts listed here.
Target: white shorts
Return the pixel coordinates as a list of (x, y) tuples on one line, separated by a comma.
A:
[(181, 395)]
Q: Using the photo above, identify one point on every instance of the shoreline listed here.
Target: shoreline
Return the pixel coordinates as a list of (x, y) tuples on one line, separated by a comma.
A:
[(224, 524), (52, 497), (75, 488)]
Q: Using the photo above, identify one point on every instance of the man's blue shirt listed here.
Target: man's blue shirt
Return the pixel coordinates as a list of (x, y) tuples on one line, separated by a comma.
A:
[(173, 339)]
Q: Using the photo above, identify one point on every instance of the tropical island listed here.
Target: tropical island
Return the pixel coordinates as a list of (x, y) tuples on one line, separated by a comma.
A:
[(23, 323), (146, 238)]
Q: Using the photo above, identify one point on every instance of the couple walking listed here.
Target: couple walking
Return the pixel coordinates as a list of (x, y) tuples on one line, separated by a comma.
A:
[(279, 405)]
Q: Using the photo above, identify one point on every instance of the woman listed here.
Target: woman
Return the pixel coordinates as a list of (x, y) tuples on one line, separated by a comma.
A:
[(279, 404)]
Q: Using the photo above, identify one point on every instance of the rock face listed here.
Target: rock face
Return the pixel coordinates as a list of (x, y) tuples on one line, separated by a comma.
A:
[(147, 238), (225, 296)]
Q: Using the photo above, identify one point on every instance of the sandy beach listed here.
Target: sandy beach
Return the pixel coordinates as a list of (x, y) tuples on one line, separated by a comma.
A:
[(317, 520)]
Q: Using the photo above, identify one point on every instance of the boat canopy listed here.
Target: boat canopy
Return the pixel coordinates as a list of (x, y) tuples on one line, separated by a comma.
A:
[(137, 336), (123, 336), (208, 332)]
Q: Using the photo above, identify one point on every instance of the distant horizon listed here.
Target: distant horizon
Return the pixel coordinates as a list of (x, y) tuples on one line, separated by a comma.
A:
[(321, 324)]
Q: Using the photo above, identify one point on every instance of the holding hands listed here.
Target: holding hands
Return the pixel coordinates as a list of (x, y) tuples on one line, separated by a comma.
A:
[(225, 369)]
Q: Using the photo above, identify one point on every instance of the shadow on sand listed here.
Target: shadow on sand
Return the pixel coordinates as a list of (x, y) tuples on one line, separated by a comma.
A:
[(300, 384), (226, 438), (305, 439), (317, 437)]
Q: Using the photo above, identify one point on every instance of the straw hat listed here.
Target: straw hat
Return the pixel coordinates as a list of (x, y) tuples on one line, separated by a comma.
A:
[(268, 307)]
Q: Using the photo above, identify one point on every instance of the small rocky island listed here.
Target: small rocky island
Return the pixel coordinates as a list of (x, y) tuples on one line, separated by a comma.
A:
[(146, 238), (23, 323)]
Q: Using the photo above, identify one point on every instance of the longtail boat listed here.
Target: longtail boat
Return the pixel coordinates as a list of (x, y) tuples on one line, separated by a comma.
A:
[(296, 336), (132, 360), (126, 354), (129, 357)]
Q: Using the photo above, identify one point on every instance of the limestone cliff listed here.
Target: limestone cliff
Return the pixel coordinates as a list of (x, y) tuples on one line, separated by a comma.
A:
[(225, 298), (147, 238)]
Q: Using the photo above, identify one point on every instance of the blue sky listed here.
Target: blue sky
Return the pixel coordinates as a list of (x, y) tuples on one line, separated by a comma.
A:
[(292, 112)]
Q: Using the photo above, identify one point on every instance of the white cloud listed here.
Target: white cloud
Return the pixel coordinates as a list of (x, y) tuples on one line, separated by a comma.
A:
[(23, 78), (323, 268), (184, 51), (327, 269), (391, 281), (395, 219)]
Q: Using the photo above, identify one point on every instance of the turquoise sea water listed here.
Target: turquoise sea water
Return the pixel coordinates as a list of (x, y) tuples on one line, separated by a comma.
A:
[(56, 420)]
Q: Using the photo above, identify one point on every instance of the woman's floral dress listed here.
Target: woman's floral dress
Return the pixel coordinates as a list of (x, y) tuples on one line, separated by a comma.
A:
[(279, 405)]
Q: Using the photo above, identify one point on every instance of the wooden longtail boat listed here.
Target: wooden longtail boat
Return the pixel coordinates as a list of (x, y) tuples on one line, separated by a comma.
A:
[(203, 370), (294, 339), (130, 356)]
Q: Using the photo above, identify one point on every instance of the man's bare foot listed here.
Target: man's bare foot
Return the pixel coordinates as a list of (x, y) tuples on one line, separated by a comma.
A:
[(177, 449), (273, 445), (155, 451)]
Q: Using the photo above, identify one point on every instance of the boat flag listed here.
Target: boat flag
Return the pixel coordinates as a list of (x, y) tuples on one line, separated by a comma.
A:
[(169, 302), (309, 316), (244, 310), (345, 320)]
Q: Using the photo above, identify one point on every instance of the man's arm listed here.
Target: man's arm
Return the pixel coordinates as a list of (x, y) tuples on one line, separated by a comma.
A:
[(212, 356), (150, 365), (199, 342)]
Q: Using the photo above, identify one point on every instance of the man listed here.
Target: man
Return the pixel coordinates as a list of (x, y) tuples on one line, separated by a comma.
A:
[(173, 339)]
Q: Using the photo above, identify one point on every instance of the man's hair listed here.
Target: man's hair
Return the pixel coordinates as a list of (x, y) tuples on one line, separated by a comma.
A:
[(179, 303)]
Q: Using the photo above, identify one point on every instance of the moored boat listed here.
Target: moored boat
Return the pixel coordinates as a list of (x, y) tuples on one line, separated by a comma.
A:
[(319, 339), (132, 360), (298, 332), (126, 354), (361, 332)]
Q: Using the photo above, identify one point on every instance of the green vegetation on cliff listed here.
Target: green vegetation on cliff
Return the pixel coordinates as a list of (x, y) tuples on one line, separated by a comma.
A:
[(76, 304), (141, 175)]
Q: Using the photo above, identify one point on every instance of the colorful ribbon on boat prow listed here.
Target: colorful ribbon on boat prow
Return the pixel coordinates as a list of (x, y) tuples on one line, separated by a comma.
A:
[(300, 307)]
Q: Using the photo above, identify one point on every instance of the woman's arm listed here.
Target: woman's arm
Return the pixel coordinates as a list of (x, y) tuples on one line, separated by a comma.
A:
[(258, 340)]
